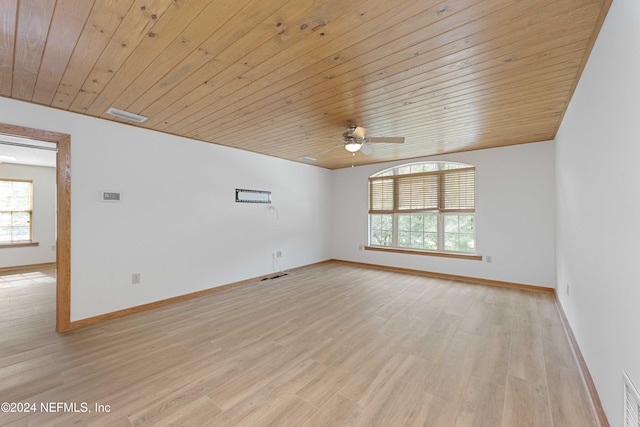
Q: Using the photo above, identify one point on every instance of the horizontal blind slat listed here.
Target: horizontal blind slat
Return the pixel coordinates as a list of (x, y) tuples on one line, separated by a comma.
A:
[(451, 190), (459, 189), (381, 196)]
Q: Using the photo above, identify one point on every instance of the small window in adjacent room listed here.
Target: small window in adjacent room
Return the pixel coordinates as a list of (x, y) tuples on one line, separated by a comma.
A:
[(15, 211), (427, 206)]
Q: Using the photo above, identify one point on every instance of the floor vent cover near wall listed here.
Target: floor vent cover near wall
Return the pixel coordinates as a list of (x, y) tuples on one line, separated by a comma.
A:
[(631, 404)]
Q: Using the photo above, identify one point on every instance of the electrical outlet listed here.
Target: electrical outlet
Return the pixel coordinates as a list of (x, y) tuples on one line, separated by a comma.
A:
[(489, 259), (53, 248), (361, 247), (278, 254), (135, 278)]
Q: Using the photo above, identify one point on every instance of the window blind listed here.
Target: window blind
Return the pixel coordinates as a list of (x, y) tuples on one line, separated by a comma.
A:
[(15, 210), (451, 190), (15, 195)]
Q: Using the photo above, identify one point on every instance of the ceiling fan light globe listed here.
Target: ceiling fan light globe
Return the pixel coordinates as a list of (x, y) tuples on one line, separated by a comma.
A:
[(352, 147)]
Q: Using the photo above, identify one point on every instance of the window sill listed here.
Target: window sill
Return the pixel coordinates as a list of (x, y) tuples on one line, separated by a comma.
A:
[(427, 253), (18, 244)]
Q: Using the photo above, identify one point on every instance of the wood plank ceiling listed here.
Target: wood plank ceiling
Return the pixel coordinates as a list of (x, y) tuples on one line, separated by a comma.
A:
[(286, 77)]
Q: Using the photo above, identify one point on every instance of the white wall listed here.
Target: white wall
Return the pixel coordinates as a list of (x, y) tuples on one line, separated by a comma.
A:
[(178, 224), (515, 216), (43, 219), (598, 201)]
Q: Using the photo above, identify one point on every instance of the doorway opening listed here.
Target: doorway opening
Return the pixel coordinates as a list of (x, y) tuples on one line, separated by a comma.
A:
[(63, 215)]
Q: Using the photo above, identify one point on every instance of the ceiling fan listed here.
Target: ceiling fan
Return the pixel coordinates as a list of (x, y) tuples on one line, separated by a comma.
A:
[(355, 139)]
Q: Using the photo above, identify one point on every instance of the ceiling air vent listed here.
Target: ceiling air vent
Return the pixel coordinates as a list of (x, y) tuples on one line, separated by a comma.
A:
[(631, 404), (126, 115)]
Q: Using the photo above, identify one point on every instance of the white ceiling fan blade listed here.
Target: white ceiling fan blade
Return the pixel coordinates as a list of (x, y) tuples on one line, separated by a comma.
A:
[(366, 150), (391, 139), (359, 132)]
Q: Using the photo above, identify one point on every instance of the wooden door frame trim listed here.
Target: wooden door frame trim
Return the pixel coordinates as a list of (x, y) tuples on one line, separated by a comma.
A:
[(63, 244)]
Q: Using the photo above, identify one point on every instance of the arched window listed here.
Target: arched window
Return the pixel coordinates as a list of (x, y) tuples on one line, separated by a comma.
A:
[(426, 206)]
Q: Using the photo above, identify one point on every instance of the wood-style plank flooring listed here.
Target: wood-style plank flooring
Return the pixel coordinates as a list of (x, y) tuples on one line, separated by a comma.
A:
[(327, 345)]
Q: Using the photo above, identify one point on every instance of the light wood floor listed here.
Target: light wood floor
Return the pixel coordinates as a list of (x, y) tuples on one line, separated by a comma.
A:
[(327, 345)]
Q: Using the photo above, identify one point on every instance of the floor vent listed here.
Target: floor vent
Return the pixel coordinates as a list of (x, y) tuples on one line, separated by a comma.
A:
[(631, 404)]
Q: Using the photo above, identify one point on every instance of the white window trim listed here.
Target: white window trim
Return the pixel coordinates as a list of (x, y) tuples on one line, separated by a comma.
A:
[(441, 251)]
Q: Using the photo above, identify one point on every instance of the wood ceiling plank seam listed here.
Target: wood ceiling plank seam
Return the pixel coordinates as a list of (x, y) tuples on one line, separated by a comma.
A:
[(169, 113), (211, 92), (528, 139), (469, 93), (467, 87), (497, 118), (191, 41), (425, 140), (430, 89), (434, 112), (215, 117), (477, 58), (352, 36), (129, 34), (262, 115), (135, 26), (69, 19), (450, 114), (165, 31), (464, 119), (9, 22), (465, 142), (333, 101), (415, 134), (211, 112), (266, 79), (476, 94), (501, 131), (258, 54), (248, 105), (439, 88), (102, 23), (429, 145), (470, 89), (170, 89), (417, 139), (429, 109), (34, 19)]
